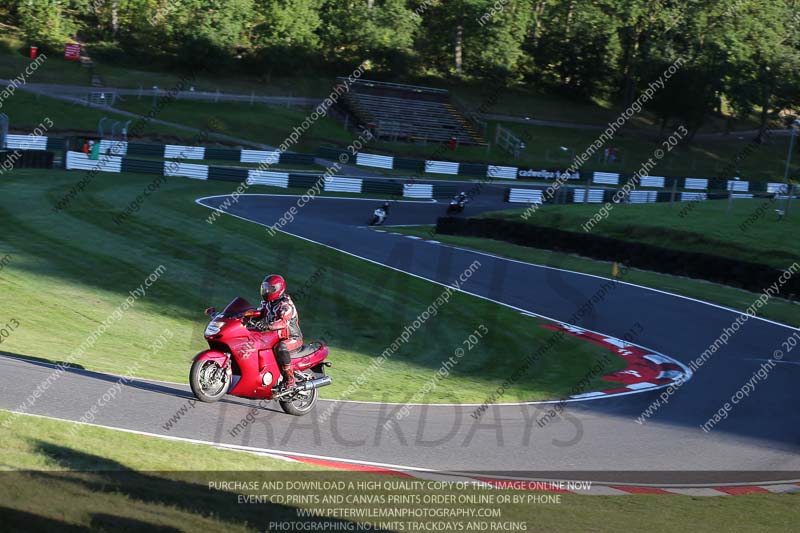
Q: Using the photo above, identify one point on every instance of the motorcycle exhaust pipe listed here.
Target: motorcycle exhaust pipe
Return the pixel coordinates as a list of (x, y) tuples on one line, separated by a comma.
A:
[(305, 386), (315, 383)]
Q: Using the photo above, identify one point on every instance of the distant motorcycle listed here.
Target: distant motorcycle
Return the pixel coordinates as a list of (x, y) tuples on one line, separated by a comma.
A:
[(378, 216), (455, 207), (457, 204)]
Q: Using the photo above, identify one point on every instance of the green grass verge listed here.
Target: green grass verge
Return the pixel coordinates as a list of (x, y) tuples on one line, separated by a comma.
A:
[(257, 122), (109, 480), (749, 232), (777, 309), (28, 110), (79, 266)]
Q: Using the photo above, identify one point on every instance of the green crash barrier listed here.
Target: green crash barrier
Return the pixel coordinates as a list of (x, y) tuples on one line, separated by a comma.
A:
[(142, 166), (56, 143), (156, 150), (293, 158), (472, 169), (227, 174), (329, 152), (304, 181), (403, 163), (223, 154), (382, 187), (444, 191)]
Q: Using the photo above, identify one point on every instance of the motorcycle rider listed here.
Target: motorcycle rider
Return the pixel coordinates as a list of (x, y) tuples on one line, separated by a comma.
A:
[(279, 313), (461, 198), (382, 212)]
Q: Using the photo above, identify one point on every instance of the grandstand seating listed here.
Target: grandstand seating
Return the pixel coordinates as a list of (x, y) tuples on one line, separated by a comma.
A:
[(408, 113)]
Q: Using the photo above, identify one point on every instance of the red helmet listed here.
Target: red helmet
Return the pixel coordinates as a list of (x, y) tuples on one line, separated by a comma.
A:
[(272, 287)]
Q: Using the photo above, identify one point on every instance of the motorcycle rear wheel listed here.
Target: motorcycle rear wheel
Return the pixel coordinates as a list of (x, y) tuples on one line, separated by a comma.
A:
[(301, 403), (205, 382)]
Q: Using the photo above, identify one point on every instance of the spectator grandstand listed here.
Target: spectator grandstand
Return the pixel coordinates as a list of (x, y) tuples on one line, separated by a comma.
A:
[(394, 111)]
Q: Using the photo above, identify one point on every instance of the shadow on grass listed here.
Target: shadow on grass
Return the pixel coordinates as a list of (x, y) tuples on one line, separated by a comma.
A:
[(16, 520), (99, 477)]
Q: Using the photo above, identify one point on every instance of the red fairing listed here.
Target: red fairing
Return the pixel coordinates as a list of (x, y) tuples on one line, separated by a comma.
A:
[(213, 355)]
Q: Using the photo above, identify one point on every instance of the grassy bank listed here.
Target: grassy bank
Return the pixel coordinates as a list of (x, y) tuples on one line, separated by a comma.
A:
[(751, 230), (257, 122), (27, 111), (80, 265)]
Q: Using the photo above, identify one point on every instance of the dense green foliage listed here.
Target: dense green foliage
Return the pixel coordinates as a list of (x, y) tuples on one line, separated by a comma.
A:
[(740, 55)]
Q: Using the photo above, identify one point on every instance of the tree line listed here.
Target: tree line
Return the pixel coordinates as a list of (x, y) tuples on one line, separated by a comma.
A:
[(741, 56)]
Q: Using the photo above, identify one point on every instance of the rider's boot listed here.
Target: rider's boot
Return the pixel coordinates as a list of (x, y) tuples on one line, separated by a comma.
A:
[(288, 376)]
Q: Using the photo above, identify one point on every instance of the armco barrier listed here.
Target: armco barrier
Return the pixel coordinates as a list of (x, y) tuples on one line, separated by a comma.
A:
[(657, 182), (338, 184), (412, 165), (444, 191), (417, 166), (606, 178), (391, 188), (199, 153), (262, 177), (512, 173), (106, 163), (597, 196), (235, 174), (187, 170), (113, 163), (142, 166), (34, 142), (750, 276), (418, 190), (525, 196)]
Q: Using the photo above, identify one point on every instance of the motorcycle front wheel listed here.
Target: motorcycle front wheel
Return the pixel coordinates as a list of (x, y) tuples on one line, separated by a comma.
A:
[(209, 381)]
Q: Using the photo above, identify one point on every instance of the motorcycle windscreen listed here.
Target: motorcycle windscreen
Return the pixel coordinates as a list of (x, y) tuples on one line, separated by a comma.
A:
[(238, 306)]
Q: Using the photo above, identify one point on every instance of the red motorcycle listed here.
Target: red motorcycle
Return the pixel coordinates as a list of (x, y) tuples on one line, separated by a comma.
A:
[(240, 361)]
